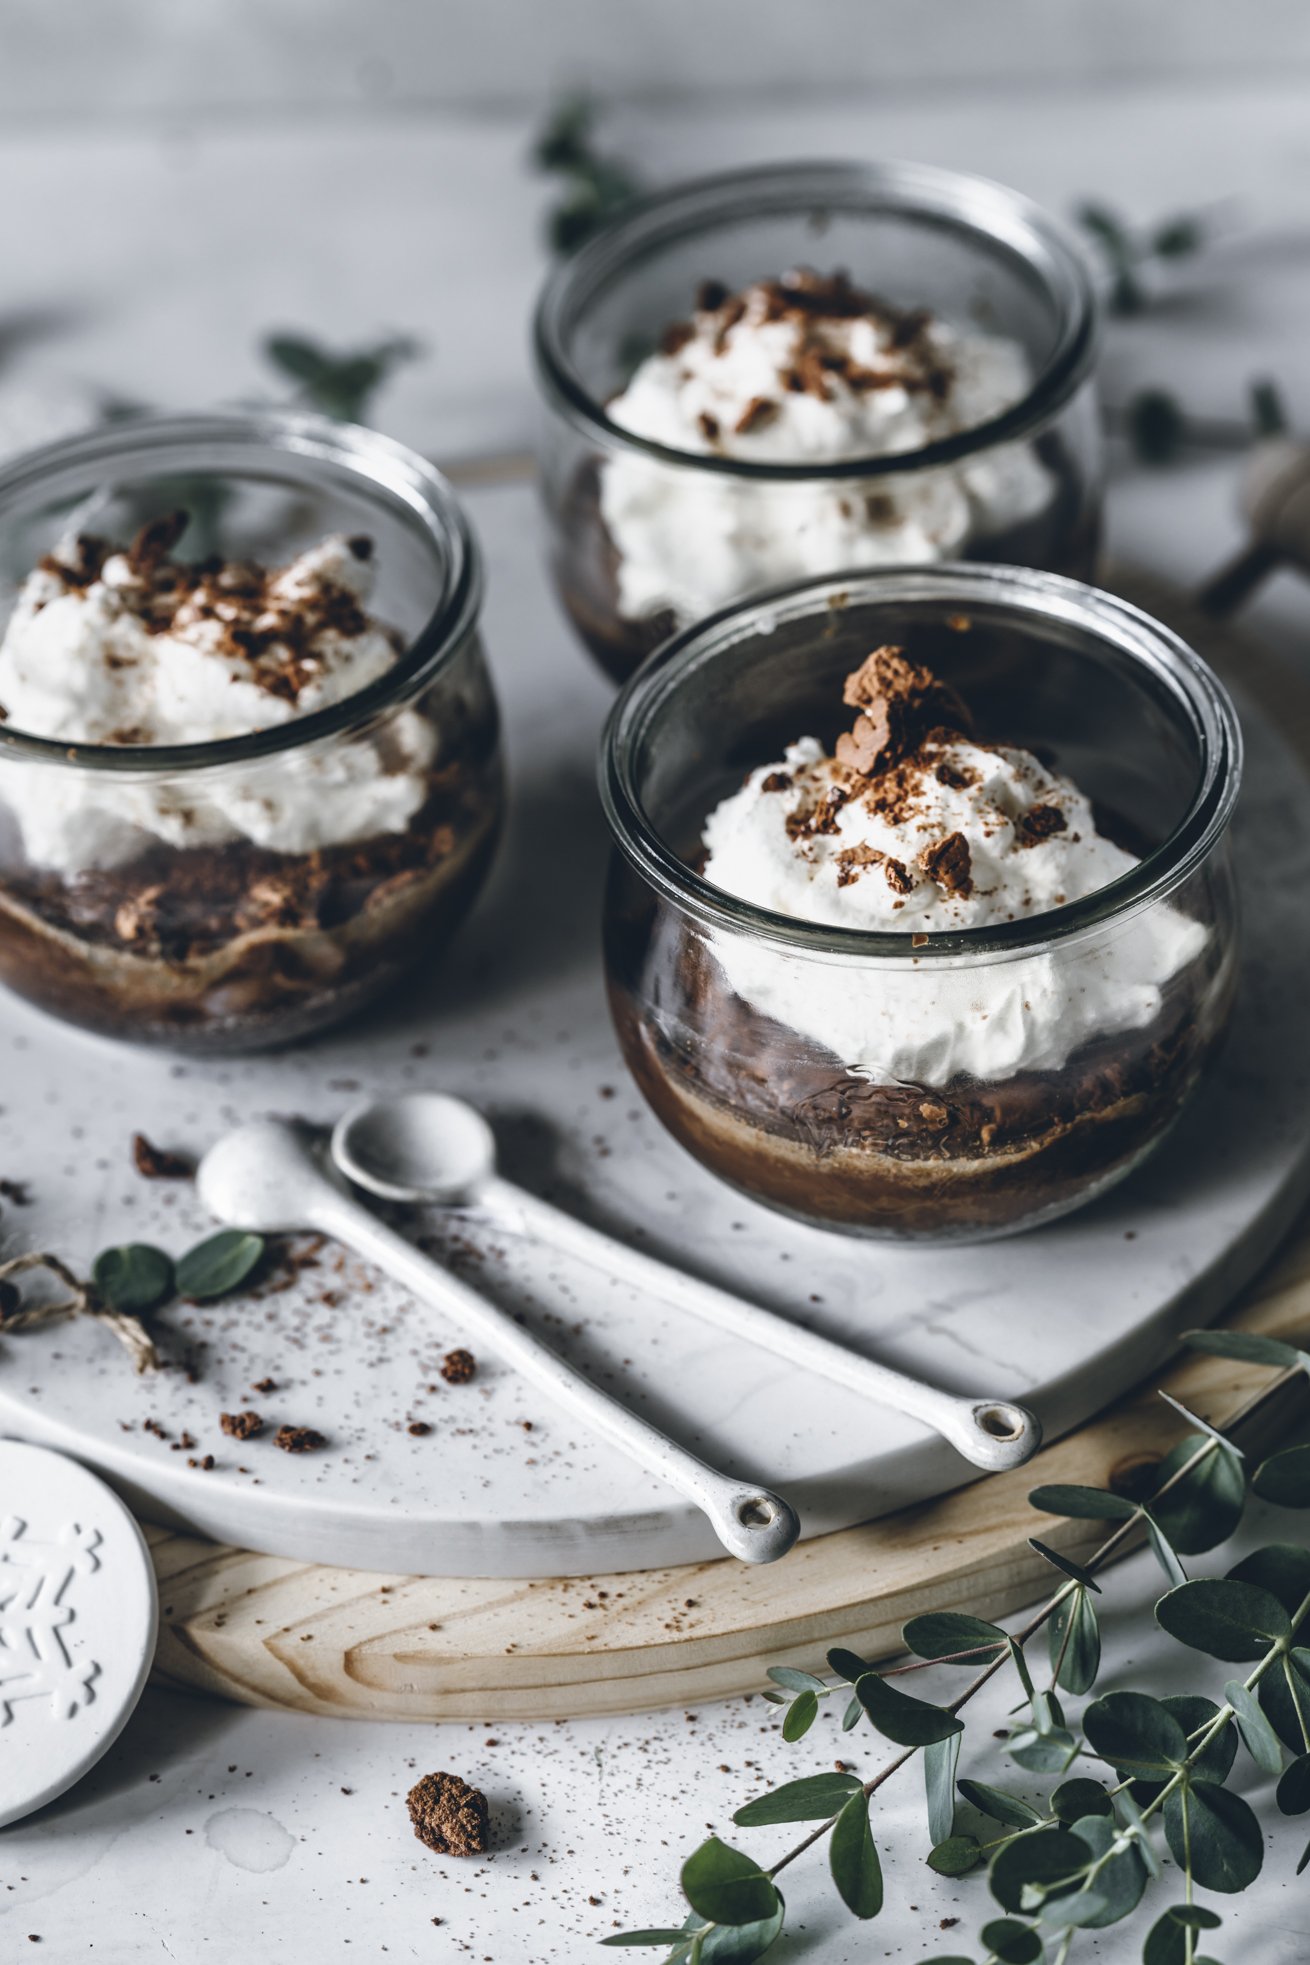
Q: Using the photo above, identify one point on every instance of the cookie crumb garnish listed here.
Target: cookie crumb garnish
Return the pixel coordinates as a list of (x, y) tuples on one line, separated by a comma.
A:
[(457, 1367), (449, 1816), (298, 1439)]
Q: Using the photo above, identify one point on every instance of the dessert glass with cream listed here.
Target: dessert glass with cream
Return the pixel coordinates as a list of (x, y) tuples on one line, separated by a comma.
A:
[(780, 373), (249, 755), (921, 922)]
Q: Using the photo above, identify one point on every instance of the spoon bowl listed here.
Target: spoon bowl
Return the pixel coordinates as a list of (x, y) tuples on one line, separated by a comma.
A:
[(257, 1177), (421, 1146)]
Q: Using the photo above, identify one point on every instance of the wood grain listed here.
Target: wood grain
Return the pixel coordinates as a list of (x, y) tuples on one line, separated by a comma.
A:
[(269, 1632)]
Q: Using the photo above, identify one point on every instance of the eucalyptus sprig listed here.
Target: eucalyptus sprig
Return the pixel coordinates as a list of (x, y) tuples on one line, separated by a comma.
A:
[(1130, 253), (1159, 429), (340, 385), (594, 187), (1084, 1856)]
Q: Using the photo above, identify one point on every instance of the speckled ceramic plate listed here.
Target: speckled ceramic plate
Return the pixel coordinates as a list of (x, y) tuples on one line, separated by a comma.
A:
[(501, 1483)]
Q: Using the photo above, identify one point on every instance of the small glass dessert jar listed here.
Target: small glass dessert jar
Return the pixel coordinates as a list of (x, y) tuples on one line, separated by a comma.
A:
[(783, 372), (927, 1082), (311, 592)]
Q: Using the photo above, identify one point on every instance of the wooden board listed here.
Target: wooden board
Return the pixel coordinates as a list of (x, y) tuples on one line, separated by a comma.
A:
[(334, 1641)]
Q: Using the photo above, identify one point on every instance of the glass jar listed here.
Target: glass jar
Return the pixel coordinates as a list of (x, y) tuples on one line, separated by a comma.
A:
[(644, 538), (1085, 1040), (230, 895)]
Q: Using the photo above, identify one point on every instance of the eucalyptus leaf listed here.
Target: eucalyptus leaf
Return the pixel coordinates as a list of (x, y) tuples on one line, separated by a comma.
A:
[(1282, 1568), (774, 1697), (940, 1632), (1085, 1907), (742, 1944), (1220, 1439), (1049, 1859), (811, 1799), (1195, 1715), (853, 1859), (941, 1758), (1226, 1619), (1247, 1345), (1075, 1643), (219, 1265), (1082, 1503), (1227, 1848), (1048, 1753), (1011, 1942), (801, 1715), (622, 1939), (852, 1716), (1156, 424), (1065, 1563), (1207, 1504), (1135, 1734), (727, 1887), (1270, 419), (1285, 1699), (1001, 1807), (899, 1717), (133, 1278), (956, 1856), (1072, 1800), (1167, 1941), (1164, 1552), (847, 1664), (795, 1681), (1284, 1478), (1257, 1735), (1130, 1816), (1293, 1791), (1121, 1878)]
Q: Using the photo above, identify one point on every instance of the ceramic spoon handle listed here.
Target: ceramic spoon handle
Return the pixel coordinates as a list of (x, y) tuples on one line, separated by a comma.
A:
[(992, 1433), (751, 1523)]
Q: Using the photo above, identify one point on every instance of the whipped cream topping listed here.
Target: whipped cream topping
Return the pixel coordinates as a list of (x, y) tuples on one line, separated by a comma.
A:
[(131, 647), (807, 370), (915, 828)]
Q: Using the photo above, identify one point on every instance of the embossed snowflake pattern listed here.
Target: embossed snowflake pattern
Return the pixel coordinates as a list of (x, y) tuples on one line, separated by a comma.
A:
[(36, 1608)]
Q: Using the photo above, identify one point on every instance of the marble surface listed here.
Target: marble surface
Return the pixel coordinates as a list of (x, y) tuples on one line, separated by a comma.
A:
[(245, 1845), (506, 1483)]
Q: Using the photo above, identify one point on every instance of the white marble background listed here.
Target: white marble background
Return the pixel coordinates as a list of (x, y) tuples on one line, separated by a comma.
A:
[(180, 176)]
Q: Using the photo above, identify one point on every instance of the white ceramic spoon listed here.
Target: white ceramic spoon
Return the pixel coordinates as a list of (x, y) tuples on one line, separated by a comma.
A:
[(268, 1176), (424, 1146)]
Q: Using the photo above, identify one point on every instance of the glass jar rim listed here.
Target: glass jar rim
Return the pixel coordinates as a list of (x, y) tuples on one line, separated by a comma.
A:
[(976, 204), (364, 456), (957, 586)]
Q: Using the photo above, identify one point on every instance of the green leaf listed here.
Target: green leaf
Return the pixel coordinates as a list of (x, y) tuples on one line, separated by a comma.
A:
[(1195, 1715), (812, 1799), (134, 1278), (1065, 1563), (956, 1856), (1086, 1906), (1156, 423), (297, 356), (801, 1715), (1282, 1568), (1129, 1816), (1284, 1478), (1285, 1698), (853, 1860), (1270, 419), (1207, 1504), (1135, 1734), (795, 1681), (1001, 1807), (941, 1758), (727, 1887), (1074, 1799), (1177, 237), (1227, 1848), (1258, 1736), (1077, 1656), (1119, 1881), (1247, 1345), (1167, 1941), (1082, 1503), (847, 1664), (1048, 1753), (1012, 1943), (1163, 1551), (1234, 1621), (1049, 1859), (940, 1632), (906, 1721), (1107, 228), (742, 1944), (774, 1697), (655, 1937), (1293, 1791), (218, 1266), (852, 1716)]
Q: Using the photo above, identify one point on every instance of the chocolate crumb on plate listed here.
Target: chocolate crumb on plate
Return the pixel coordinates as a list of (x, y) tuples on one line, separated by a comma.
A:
[(449, 1816), (298, 1439), (153, 1163), (457, 1367), (241, 1425)]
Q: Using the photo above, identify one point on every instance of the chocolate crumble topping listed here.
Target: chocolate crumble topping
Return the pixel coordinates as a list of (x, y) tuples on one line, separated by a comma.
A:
[(1039, 822), (449, 1816), (950, 864)]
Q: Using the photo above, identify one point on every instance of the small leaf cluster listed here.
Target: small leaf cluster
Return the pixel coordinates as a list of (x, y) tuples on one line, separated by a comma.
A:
[(340, 385), (594, 187), (1159, 429), (136, 1277), (1083, 1854), (1130, 254)]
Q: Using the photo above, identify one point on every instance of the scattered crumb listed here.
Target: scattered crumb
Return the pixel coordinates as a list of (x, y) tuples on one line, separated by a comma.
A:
[(457, 1367), (448, 1815), (155, 1164), (241, 1425), (264, 1385), (298, 1439), (419, 1428)]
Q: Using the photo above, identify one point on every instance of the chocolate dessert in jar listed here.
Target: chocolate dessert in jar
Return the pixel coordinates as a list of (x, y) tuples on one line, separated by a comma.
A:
[(250, 768), (921, 922), (780, 373)]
